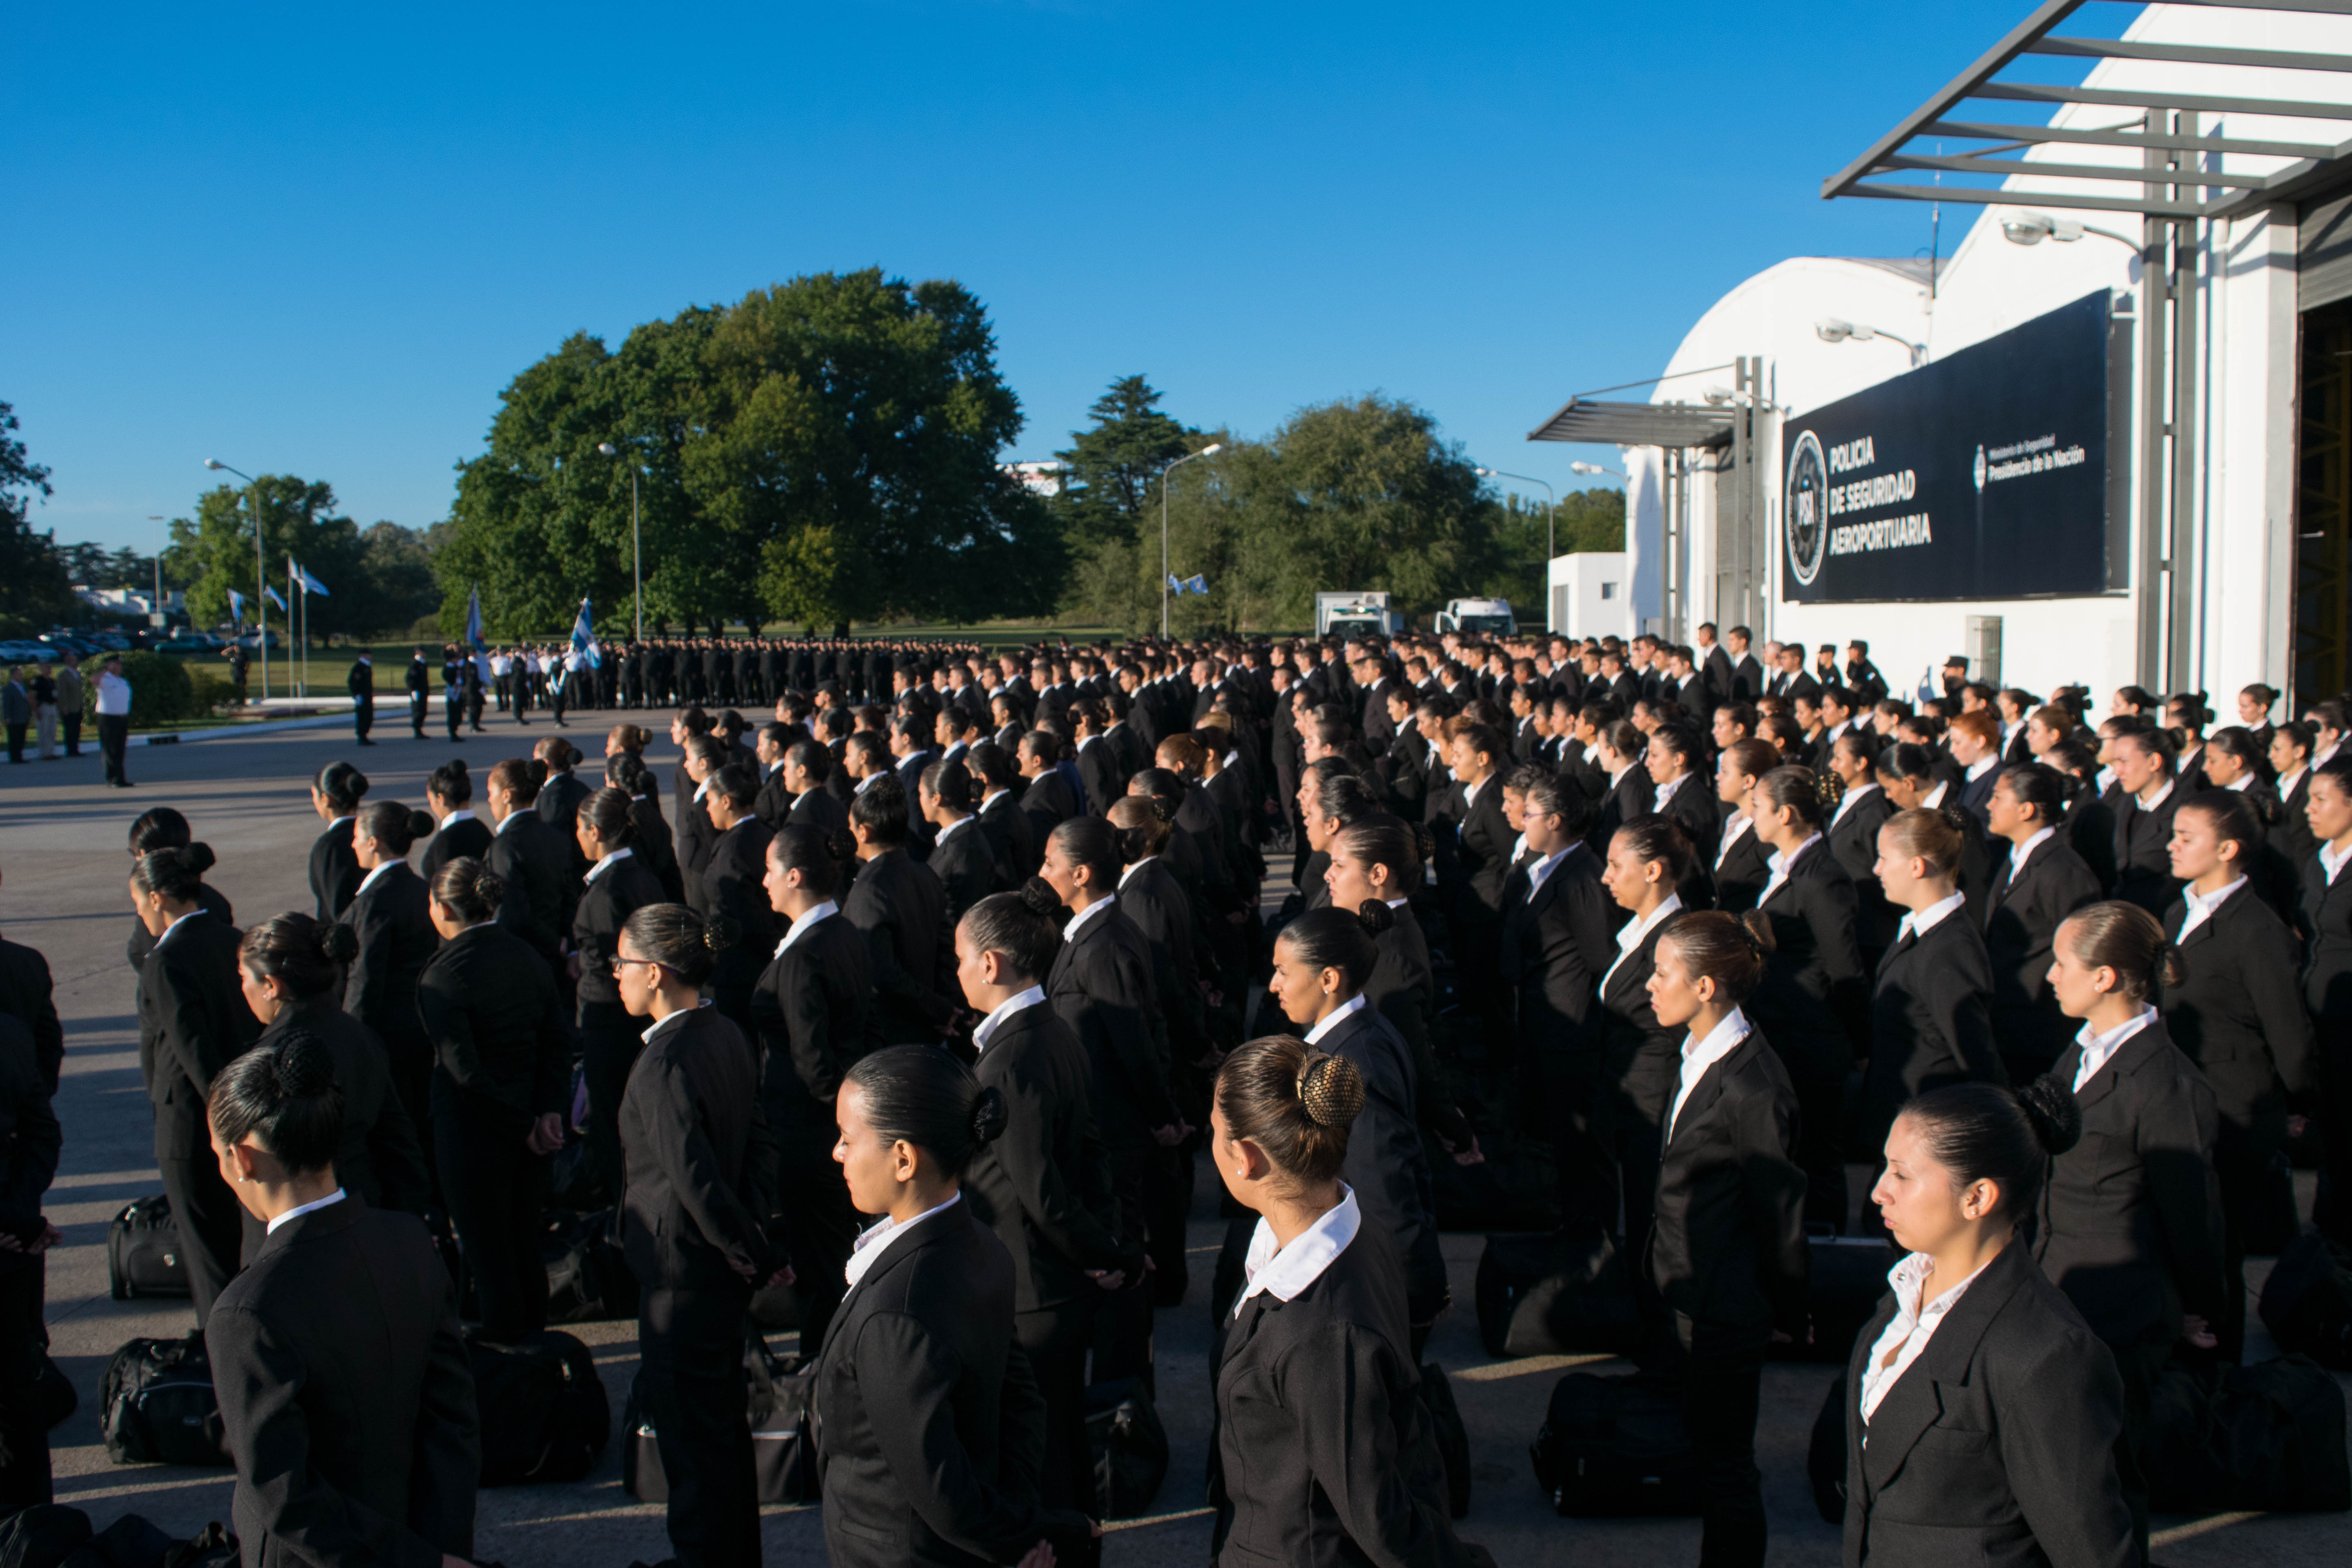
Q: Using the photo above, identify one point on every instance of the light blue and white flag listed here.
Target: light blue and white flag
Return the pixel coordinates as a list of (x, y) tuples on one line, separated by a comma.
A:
[(474, 620), (583, 640), (271, 595), (236, 605)]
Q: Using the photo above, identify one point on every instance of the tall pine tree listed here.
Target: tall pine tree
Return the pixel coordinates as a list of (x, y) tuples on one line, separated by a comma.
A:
[(1109, 499)]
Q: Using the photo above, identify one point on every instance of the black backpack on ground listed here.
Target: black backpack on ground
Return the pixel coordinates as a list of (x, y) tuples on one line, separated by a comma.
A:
[(142, 1251), (1825, 1455), (130, 1542), (1848, 1282), (157, 1406), (42, 1536), (783, 1454), (588, 1279), (211, 1547), (2264, 1438), (1539, 1296), (1452, 1437), (543, 1411), (2306, 1303), (1617, 1446), (1129, 1447)]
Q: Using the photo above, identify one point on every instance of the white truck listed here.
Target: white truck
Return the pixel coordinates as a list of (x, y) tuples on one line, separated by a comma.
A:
[(1353, 615), (1479, 617)]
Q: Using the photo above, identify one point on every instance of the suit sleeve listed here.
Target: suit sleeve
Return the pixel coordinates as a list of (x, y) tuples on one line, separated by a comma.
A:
[(1340, 1387), (442, 1008), (398, 1159), (448, 1456), (2064, 1406), (1972, 1025), (678, 1144), (368, 970), (189, 1028), (2176, 1136), (1831, 910), (551, 1080), (1136, 1044), (258, 1377), (1775, 1189), (1061, 1221), (2270, 979), (891, 978), (29, 1160), (41, 1015)]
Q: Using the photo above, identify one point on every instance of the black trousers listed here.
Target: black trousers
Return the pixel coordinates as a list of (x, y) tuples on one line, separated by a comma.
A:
[(1055, 1338), (362, 719), (16, 745), (1641, 1087), (496, 1190), (1817, 1072), (2140, 1363), (1723, 1375), (416, 704), (1168, 1179), (211, 1221), (1122, 1333), (2335, 1208), (813, 1219), (72, 725), (25, 1481), (2241, 1162), (1573, 1084), (454, 710), (691, 1384), (113, 738), (609, 1044)]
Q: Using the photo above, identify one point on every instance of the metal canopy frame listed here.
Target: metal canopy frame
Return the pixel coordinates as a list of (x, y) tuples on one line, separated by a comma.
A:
[(1584, 420), (2173, 195)]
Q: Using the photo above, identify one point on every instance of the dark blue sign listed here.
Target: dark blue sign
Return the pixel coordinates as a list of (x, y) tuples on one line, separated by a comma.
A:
[(1982, 475)]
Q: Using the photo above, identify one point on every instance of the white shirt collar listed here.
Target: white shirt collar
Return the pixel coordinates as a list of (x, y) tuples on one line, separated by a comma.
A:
[(1847, 800), (2288, 781), (1331, 1020), (1734, 827), (2017, 857), (300, 1209), (950, 830), (1934, 799), (1470, 792), (1285, 1271), (1983, 765), (1668, 790), (1700, 1055), (1543, 868), (1909, 1332), (862, 784), (2099, 1050), (657, 1026), (871, 1243), (381, 868), (1078, 920), (2244, 782), (2331, 861), (517, 814), (2161, 797), (601, 867), (991, 797), (2202, 907), (1780, 861), (803, 923), (178, 920), (458, 816), (987, 1028), (1919, 923), (1139, 865)]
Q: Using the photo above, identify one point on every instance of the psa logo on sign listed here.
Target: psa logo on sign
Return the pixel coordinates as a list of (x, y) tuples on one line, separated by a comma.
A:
[(1806, 508)]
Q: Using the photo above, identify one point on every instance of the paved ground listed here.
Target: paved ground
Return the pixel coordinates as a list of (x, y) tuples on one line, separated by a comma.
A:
[(62, 857)]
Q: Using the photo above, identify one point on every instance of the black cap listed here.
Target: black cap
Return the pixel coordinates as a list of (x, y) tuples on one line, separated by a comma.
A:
[(1957, 660)]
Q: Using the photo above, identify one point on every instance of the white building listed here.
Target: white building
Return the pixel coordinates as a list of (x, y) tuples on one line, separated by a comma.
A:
[(1589, 595), (2189, 560)]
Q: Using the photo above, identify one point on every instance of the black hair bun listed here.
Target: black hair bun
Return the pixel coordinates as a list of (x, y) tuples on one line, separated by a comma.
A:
[(1376, 915), (1037, 896), (1162, 811), (420, 824), (718, 932), (989, 1117), (1330, 1091), (1954, 818), (198, 858), (2056, 1117), (306, 1067), (841, 846), (338, 943), (456, 765)]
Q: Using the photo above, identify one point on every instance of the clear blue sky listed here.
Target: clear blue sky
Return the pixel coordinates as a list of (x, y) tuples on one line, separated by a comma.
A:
[(308, 241)]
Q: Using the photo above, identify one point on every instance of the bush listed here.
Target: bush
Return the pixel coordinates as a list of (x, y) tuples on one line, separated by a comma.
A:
[(159, 688), (207, 693)]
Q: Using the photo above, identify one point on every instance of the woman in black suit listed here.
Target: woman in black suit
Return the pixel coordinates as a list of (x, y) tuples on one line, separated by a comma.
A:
[(1915, 777), (928, 1413), (618, 884), (2147, 795), (1320, 1449), (2327, 973), (449, 795), (1151, 896), (1727, 1250), (696, 1146), (532, 865), (2290, 753), (2090, 826), (962, 856), (2234, 762), (1742, 863), (395, 940), (813, 1009), (161, 827), (346, 1401), (730, 886), (2237, 1012), (1647, 860), (2127, 1226), (1981, 1413), (334, 875), (1672, 756), (2035, 886), (902, 909), (1862, 809), (1044, 1185), (501, 1067), (1812, 1001), (649, 836), (1618, 747), (1931, 1022), (1320, 964), (288, 966)]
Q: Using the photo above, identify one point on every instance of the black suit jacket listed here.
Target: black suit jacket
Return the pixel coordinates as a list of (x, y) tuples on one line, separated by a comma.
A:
[(732, 884), (1484, 857), (1048, 803), (1645, 1056), (2021, 924), (27, 995), (379, 1158), (30, 1137), (964, 861), (2327, 962), (2143, 860), (774, 805), (1555, 945), (1743, 865), (814, 1008), (2091, 832), (346, 1395), (623, 887), (1099, 771), (451, 841), (1976, 794), (1813, 994), (819, 808), (2239, 1016), (1629, 796), (1728, 1243), (1929, 1023), (1996, 1446), (1388, 1165), (1043, 1186), (334, 871), (496, 1025), (903, 911), (536, 866), (1010, 828), (1150, 897), (558, 805), (1694, 808), (929, 1428), (1101, 986), (396, 942), (699, 1159), (695, 833), (193, 1023)]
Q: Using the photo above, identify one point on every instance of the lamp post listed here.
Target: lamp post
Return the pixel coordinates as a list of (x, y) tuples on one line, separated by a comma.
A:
[(636, 547), (2032, 228), (1831, 329), (1551, 501), (1211, 450), (260, 573)]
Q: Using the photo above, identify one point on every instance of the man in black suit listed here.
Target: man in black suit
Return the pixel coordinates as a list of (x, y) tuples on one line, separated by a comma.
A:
[(360, 682), (902, 909), (1714, 663), (27, 995), (346, 1397), (420, 690), (1747, 674), (1483, 867)]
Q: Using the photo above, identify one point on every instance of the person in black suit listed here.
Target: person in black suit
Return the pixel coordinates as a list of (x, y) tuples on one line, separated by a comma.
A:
[(1044, 1185), (1320, 1449), (1150, 895), (1727, 1250), (2289, 753), (500, 1073), (560, 795), (2327, 976), (30, 1140), (192, 1023), (2233, 762), (395, 939), (962, 856), (2146, 799), (649, 839), (930, 1429), (730, 886), (1617, 750), (813, 1010), (1931, 1022), (1974, 739), (1674, 757), (902, 909), (699, 1158), (2035, 886), (1742, 860), (532, 865), (448, 795), (420, 691), (346, 1398), (158, 828), (334, 875), (1648, 859), (1981, 1413), (360, 683), (1862, 809), (619, 882), (1009, 827), (1047, 800), (2236, 1012), (1812, 1001), (1482, 868)]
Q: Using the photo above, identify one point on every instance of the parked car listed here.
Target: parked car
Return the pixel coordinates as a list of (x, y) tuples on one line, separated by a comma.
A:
[(25, 652), (187, 644)]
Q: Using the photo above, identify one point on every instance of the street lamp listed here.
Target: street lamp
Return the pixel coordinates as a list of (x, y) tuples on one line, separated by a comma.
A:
[(2032, 228), (636, 548), (261, 574), (1552, 516), (1597, 469), (1211, 450), (1831, 329)]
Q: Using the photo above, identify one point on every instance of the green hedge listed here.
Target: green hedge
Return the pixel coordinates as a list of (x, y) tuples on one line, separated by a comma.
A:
[(159, 690)]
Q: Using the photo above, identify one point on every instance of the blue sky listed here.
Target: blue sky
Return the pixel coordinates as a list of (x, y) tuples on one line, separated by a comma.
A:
[(306, 240)]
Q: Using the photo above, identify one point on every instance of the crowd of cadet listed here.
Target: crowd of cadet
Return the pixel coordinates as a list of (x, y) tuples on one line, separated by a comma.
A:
[(924, 997)]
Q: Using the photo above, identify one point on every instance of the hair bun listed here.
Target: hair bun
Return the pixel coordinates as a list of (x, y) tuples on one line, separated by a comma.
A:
[(718, 932), (338, 943), (1330, 1090), (420, 824), (1037, 896), (1376, 915), (1954, 818), (488, 887), (198, 858), (1160, 810), (305, 1067), (2056, 1116), (989, 1117)]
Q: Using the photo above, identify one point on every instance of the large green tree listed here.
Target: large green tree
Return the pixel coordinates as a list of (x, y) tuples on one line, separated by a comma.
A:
[(824, 450), (1585, 519), (213, 552), (35, 590), (1109, 501)]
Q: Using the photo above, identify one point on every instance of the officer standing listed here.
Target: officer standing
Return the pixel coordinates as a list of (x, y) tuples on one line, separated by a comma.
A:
[(362, 682), (420, 687)]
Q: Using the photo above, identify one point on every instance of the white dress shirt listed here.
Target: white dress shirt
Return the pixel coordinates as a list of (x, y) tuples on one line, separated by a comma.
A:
[(1331, 1020), (1287, 1270), (1139, 865), (1906, 1336), (458, 816), (2100, 1049), (1668, 790), (382, 866), (299, 1210), (2023, 852), (1733, 831), (113, 694), (1700, 1055), (802, 924), (1538, 873), (2200, 909), (872, 1243), (658, 1024), (1919, 923), (2331, 860), (1078, 922), (1630, 936), (1002, 1011), (1781, 860), (601, 867), (1846, 802)]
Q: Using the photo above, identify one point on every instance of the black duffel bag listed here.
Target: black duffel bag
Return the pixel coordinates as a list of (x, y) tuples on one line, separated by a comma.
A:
[(2266, 1438), (42, 1536), (1614, 1446), (588, 1279), (142, 1251), (157, 1406), (2306, 1303), (1539, 1296), (544, 1417), (1129, 1447), (783, 1454)]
